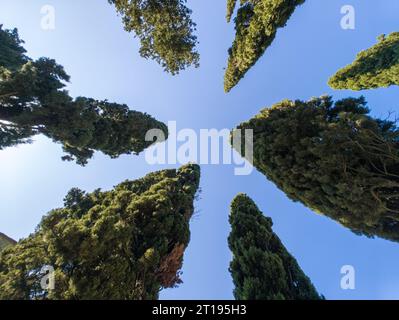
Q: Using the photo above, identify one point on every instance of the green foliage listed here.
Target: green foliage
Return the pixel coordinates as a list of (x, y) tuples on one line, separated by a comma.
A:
[(127, 243), (256, 27), (12, 135), (231, 5), (5, 241), (12, 53), (373, 68), (165, 30), (262, 268), (333, 158), (32, 101)]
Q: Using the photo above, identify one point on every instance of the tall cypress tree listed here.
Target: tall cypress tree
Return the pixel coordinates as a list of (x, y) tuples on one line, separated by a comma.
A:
[(333, 158), (373, 68), (256, 27), (12, 52), (5, 241), (33, 101), (165, 29), (127, 243), (262, 268)]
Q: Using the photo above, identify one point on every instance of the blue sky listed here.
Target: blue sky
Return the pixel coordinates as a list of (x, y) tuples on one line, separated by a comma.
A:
[(104, 63)]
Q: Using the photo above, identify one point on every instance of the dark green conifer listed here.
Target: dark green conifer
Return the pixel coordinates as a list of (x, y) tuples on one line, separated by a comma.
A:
[(256, 26), (262, 268), (127, 243), (373, 68), (165, 30), (33, 101), (5, 241), (334, 158)]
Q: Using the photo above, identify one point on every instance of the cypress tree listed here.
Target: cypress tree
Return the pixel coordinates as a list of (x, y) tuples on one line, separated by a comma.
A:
[(165, 29), (373, 68), (334, 158), (127, 243), (12, 53), (12, 135), (5, 241), (231, 5), (33, 101), (256, 26), (262, 268)]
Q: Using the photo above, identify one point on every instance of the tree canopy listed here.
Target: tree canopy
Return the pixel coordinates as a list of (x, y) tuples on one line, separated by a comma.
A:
[(5, 241), (127, 243), (333, 158), (33, 101), (373, 68), (262, 268), (165, 29), (12, 53), (256, 26)]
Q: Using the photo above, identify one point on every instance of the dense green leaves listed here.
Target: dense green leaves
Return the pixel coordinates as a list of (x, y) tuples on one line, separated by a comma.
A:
[(256, 26), (262, 268), (33, 101), (127, 243), (373, 68), (165, 30), (334, 158), (5, 241)]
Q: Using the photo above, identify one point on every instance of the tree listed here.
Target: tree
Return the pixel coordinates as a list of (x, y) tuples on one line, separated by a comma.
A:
[(333, 158), (127, 243), (11, 135), (262, 268), (256, 26), (33, 101), (165, 30), (5, 241), (12, 53), (373, 68), (231, 5)]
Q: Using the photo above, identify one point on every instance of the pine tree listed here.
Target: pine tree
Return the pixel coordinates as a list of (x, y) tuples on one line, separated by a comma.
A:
[(333, 158), (127, 243), (262, 268), (373, 68), (165, 30), (256, 27), (33, 101)]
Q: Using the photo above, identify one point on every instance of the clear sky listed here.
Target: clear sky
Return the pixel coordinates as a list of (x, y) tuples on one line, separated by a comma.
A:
[(103, 61)]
